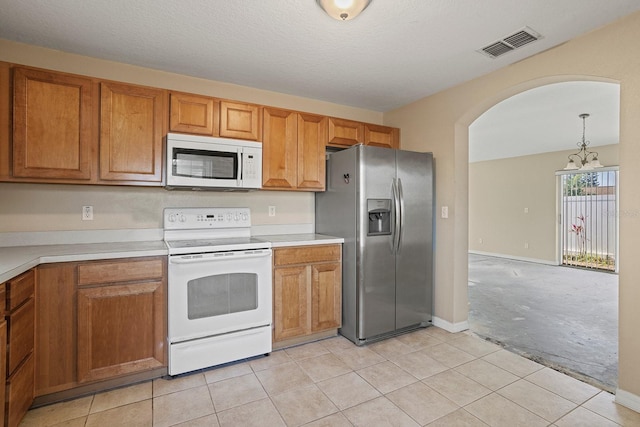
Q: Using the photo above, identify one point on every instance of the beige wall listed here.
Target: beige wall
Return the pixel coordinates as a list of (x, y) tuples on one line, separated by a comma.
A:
[(25, 207), (499, 192), (440, 123)]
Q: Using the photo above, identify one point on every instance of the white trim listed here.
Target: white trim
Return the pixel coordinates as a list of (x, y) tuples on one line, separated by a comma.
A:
[(517, 258), (448, 326), (628, 400)]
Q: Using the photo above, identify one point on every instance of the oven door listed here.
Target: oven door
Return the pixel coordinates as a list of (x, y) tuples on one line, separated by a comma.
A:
[(216, 293)]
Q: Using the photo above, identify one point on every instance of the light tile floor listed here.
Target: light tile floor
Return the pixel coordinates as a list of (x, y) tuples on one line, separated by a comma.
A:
[(429, 377)]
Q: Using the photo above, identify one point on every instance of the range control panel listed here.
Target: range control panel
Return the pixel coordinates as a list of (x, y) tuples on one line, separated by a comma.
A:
[(194, 218)]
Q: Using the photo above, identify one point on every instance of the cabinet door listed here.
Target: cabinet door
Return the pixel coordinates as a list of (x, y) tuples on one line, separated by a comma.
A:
[(120, 329), (241, 121), (312, 137), (345, 132), (381, 136), (55, 350), (291, 298), (52, 125), (194, 114), (19, 392), (326, 299), (131, 132), (3, 368), (279, 149)]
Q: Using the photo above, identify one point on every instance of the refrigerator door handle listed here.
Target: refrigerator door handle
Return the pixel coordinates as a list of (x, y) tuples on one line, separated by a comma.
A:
[(401, 214), (396, 216)]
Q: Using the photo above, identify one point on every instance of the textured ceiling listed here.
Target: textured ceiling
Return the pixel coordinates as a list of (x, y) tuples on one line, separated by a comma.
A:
[(396, 52)]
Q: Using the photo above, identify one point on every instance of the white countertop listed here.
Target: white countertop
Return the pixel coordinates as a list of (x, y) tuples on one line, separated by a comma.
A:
[(280, 240), (18, 259), (15, 260)]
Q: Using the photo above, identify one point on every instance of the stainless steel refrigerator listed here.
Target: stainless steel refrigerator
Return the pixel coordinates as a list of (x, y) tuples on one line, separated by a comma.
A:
[(381, 202)]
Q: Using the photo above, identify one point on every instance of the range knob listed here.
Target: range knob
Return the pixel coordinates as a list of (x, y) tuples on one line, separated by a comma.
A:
[(183, 218), (171, 218), (245, 216)]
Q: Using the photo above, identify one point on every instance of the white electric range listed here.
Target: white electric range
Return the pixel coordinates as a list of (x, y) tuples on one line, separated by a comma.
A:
[(219, 281)]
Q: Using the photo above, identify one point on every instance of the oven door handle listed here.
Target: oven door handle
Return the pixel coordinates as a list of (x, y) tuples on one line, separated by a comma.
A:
[(181, 259)]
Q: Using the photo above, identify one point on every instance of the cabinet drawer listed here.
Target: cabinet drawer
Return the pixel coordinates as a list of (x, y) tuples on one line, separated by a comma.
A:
[(21, 335), (20, 289), (20, 392), (129, 270), (306, 254)]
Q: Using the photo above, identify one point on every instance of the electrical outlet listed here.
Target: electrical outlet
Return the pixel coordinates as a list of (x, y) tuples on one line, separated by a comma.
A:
[(526, 245), (272, 211), (445, 212), (87, 213), (480, 240)]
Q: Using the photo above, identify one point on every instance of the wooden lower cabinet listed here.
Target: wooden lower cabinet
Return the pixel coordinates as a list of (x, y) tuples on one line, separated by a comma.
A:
[(19, 392), (98, 321), (19, 341), (3, 367), (120, 329), (307, 290), (56, 328), (291, 300)]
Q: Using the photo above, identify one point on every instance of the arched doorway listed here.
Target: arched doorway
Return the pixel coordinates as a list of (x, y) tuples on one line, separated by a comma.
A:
[(516, 218)]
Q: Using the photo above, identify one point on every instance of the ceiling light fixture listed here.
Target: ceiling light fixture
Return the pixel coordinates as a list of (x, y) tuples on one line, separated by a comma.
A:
[(343, 10), (588, 159)]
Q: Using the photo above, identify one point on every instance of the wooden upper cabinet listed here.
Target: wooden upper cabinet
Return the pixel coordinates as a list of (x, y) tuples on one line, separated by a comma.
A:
[(345, 132), (239, 120), (194, 114), (312, 137), (279, 149), (381, 136), (131, 133), (293, 150), (52, 125)]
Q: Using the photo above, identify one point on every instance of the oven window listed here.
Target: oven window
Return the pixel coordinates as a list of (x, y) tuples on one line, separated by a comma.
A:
[(205, 164), (221, 294)]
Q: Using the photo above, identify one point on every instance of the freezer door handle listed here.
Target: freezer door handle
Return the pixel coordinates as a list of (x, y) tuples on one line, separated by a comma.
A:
[(396, 216), (400, 214)]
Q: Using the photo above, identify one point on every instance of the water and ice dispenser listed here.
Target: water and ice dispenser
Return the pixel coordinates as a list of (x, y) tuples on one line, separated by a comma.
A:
[(379, 211)]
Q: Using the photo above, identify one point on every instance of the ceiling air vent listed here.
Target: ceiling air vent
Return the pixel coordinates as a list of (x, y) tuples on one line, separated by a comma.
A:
[(510, 42)]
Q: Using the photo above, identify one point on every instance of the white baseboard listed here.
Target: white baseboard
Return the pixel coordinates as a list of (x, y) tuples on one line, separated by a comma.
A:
[(628, 400), (517, 258), (450, 327)]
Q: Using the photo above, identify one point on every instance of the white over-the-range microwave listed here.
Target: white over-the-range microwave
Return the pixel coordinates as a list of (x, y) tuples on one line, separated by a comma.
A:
[(208, 163)]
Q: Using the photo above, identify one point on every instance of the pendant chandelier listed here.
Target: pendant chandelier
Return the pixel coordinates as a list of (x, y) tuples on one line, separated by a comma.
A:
[(343, 10), (583, 159)]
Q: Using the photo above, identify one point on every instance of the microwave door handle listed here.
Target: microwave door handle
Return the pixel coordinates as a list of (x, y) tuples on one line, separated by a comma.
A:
[(239, 171)]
